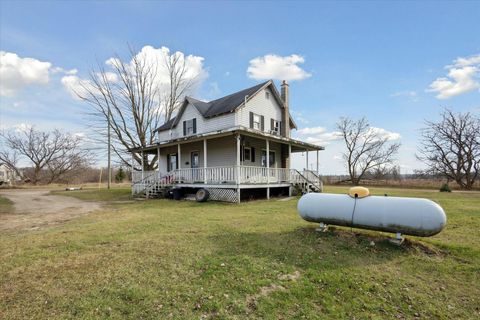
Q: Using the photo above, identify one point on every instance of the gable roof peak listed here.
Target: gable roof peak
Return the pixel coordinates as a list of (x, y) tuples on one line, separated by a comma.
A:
[(226, 104)]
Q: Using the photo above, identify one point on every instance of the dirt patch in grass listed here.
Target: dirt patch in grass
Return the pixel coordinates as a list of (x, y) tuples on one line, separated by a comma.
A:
[(263, 292), (34, 209)]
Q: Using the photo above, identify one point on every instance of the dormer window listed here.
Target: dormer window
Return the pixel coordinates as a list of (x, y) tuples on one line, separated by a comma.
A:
[(190, 127)]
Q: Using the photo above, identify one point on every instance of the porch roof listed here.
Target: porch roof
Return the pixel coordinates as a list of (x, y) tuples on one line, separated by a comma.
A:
[(297, 145)]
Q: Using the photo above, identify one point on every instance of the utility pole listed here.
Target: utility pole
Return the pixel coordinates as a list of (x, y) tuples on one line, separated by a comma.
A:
[(109, 147)]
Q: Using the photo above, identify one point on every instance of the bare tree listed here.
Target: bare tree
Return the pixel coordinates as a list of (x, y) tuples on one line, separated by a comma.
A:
[(451, 147), (367, 148), (180, 84), (53, 152), (137, 101)]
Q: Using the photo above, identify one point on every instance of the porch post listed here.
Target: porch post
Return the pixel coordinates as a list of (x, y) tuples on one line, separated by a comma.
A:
[(179, 152), (158, 162), (238, 168), (142, 166), (289, 156), (289, 172), (306, 152), (268, 167), (205, 161), (318, 174)]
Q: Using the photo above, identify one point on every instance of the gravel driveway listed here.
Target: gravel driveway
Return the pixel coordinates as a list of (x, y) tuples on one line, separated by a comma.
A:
[(35, 209)]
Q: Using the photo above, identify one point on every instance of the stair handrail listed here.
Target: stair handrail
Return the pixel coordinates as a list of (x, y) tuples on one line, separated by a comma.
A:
[(318, 186), (316, 177)]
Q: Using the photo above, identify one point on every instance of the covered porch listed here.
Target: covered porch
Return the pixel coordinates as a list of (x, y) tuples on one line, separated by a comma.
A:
[(241, 158)]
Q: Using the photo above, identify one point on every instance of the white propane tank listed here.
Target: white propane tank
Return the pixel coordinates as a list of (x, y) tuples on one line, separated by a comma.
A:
[(411, 216)]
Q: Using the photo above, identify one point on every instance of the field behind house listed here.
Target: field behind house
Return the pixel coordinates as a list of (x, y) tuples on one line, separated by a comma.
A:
[(186, 260)]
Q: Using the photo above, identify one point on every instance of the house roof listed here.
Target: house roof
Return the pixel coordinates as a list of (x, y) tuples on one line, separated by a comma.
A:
[(221, 106), (167, 125), (232, 101)]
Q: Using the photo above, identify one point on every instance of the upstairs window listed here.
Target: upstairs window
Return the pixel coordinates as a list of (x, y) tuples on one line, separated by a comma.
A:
[(190, 127), (275, 126), (267, 95), (256, 121)]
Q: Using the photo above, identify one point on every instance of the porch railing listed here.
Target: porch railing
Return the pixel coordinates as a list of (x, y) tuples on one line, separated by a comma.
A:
[(137, 176), (223, 175)]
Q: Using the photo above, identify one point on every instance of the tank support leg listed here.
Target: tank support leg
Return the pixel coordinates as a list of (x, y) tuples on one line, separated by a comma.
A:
[(398, 239), (322, 227)]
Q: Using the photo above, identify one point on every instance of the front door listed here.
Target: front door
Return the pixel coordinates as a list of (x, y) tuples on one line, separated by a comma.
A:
[(271, 161), (194, 159), (172, 162), (271, 158)]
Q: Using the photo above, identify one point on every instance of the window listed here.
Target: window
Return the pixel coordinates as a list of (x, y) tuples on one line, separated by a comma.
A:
[(256, 122), (267, 95), (189, 127), (271, 158), (275, 126), (247, 154), (172, 161), (194, 159)]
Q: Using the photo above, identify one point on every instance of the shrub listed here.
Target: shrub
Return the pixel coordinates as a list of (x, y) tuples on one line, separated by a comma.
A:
[(120, 176), (445, 188)]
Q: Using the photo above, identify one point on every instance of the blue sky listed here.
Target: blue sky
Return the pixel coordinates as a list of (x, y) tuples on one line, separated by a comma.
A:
[(373, 59)]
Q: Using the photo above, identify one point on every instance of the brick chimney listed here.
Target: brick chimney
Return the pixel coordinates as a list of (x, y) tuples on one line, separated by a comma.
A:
[(285, 95)]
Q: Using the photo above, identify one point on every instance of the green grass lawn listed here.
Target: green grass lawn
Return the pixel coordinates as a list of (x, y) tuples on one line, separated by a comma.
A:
[(94, 194), (6, 206), (185, 260)]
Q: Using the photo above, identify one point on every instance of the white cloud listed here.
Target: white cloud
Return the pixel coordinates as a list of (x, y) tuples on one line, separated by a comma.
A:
[(111, 77), (411, 95), (382, 133), (17, 72), (276, 67), (76, 86), (469, 61), (321, 136), (463, 76), (152, 57), (62, 70), (318, 135), (310, 131), (156, 57)]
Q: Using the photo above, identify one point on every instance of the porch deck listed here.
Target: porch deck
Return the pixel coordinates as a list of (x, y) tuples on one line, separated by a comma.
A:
[(226, 176)]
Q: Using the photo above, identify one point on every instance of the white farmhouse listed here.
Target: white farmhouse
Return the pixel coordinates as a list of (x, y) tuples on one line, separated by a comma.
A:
[(236, 147), (8, 175)]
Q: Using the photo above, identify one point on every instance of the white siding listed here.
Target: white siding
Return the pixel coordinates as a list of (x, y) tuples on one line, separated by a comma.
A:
[(260, 105), (220, 152), (225, 121), (259, 145)]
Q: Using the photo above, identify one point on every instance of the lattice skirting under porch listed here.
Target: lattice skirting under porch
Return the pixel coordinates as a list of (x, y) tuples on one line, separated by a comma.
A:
[(220, 194)]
